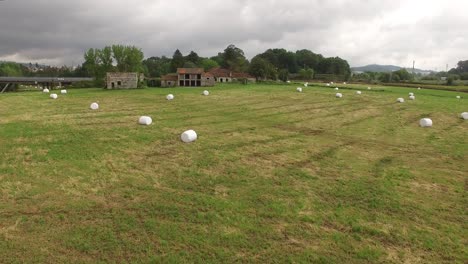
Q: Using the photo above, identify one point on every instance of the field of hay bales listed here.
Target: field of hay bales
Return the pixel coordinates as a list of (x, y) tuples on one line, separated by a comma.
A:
[(275, 176)]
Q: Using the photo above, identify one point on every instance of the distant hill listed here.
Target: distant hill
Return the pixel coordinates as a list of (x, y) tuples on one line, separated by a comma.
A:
[(385, 68)]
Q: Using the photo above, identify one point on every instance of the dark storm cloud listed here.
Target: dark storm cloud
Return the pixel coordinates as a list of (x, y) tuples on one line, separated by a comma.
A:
[(58, 32)]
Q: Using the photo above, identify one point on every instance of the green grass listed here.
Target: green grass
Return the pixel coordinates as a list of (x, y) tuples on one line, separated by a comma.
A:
[(276, 176)]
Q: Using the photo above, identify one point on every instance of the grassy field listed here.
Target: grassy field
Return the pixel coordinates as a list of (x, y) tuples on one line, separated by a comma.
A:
[(276, 176)]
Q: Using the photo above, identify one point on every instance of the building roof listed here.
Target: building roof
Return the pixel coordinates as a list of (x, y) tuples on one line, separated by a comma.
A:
[(190, 70), (220, 72), (242, 75), (207, 74), (169, 77)]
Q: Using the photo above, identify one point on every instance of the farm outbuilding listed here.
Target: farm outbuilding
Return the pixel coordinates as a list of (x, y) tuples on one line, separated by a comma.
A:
[(224, 75), (188, 77), (122, 80)]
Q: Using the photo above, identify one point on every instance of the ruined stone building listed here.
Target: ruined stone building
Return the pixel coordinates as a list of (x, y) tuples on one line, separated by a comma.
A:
[(224, 75), (188, 77), (123, 80)]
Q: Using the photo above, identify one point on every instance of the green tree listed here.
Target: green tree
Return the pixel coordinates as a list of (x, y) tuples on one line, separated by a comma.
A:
[(194, 58), (105, 57), (262, 69), (91, 63), (133, 59), (209, 64), (119, 54), (234, 59), (177, 61), (306, 74)]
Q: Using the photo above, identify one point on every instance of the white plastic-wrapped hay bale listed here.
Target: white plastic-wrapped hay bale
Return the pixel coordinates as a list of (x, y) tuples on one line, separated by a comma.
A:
[(63, 91), (412, 97), (94, 106), (458, 97), (400, 100), (170, 97), (464, 115), (206, 93), (336, 89), (306, 84), (368, 88), (344, 83), (328, 84), (288, 81), (145, 120), (425, 122), (188, 136), (299, 89), (411, 94), (45, 90), (358, 92), (53, 96), (419, 88), (331, 83), (338, 95)]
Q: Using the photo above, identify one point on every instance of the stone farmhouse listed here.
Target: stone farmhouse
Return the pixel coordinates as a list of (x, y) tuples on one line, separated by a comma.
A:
[(188, 77), (224, 75), (123, 80)]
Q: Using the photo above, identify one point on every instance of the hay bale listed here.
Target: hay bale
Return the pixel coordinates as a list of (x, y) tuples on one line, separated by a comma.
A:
[(368, 88), (45, 90), (145, 120), (337, 88), (425, 122), (188, 136), (358, 92), (344, 83), (338, 95), (299, 89), (328, 84), (400, 100), (331, 82), (306, 84), (206, 93), (464, 115), (170, 97), (53, 96), (94, 106), (419, 88), (411, 94), (458, 97), (63, 91), (412, 97)]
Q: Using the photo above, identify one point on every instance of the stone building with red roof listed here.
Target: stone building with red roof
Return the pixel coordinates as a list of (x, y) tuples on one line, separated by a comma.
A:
[(188, 77)]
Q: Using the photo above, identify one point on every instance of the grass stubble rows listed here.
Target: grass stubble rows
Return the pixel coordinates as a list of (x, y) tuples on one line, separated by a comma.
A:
[(276, 176)]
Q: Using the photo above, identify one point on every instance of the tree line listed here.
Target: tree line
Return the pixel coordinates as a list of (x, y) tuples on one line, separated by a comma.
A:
[(272, 64)]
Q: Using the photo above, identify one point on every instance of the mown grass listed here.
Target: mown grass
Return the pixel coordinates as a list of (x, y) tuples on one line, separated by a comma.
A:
[(276, 176)]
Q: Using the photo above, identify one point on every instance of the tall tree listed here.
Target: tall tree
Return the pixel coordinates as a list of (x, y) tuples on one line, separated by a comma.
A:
[(105, 57), (91, 63), (234, 59), (193, 57), (177, 60), (119, 56)]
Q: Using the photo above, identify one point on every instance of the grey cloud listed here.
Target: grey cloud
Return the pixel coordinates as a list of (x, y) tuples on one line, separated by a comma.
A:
[(359, 31)]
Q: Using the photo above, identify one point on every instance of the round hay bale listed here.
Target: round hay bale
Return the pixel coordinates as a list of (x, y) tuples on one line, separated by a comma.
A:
[(170, 97), (458, 97), (400, 100), (368, 88), (464, 115), (425, 122), (299, 89), (53, 96), (358, 92), (63, 91), (306, 84), (331, 82), (188, 136), (145, 120), (206, 93), (411, 94), (412, 97), (337, 88), (328, 84), (344, 83), (419, 88), (288, 81), (338, 95), (94, 106), (45, 90)]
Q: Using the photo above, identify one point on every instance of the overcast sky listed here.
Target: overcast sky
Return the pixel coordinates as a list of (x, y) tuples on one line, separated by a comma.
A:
[(431, 32)]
